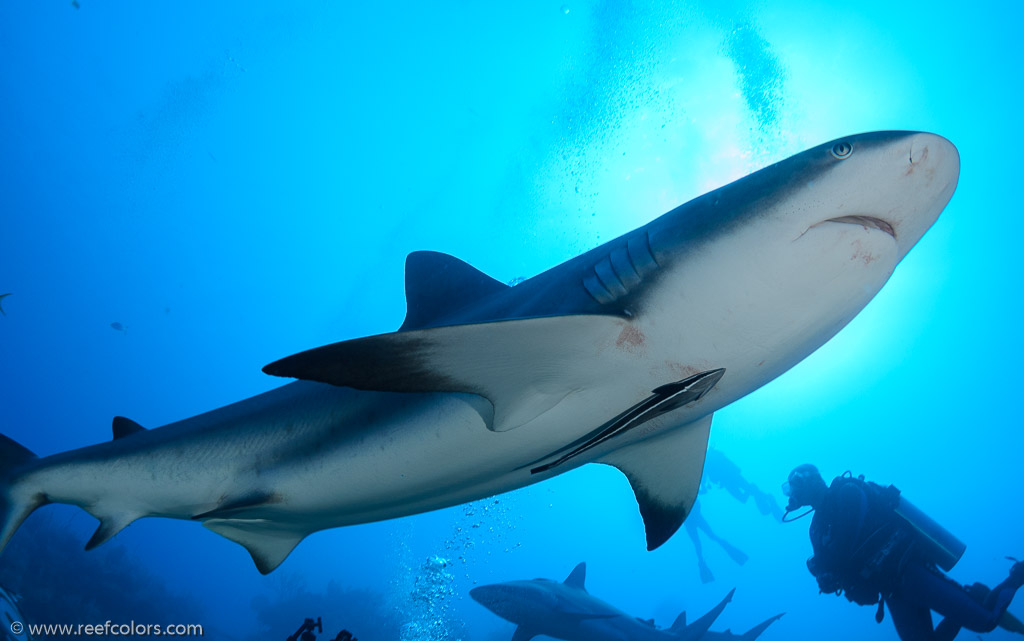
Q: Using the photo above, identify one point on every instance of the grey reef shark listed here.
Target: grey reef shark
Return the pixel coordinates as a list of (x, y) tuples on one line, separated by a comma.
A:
[(567, 611), (619, 356)]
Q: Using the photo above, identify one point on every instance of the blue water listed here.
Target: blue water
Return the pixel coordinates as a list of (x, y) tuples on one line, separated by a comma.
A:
[(233, 182)]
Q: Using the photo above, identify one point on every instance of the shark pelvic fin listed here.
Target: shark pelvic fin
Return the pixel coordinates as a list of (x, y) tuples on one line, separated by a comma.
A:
[(523, 634), (109, 526), (664, 472), (123, 427), (437, 284), (578, 577), (268, 544), (523, 367)]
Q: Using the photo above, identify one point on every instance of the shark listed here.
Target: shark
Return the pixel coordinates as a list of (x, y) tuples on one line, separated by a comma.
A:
[(619, 356), (569, 612)]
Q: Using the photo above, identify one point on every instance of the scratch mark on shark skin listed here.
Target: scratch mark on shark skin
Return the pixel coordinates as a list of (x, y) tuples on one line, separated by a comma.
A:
[(630, 339), (682, 371)]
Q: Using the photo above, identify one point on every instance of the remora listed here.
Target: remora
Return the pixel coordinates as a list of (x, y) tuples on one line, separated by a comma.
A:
[(618, 356)]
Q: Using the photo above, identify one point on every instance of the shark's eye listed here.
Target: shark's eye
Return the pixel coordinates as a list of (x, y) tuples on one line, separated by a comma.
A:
[(842, 149)]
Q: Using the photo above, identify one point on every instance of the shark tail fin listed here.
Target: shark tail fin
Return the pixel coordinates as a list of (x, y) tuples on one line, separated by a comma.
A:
[(15, 502), (756, 631)]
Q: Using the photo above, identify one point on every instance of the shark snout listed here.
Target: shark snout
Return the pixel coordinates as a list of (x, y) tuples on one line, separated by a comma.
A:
[(931, 171), (485, 594), (512, 601), (500, 599)]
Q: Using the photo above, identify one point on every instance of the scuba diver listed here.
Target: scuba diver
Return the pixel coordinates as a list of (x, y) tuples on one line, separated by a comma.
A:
[(305, 631), (695, 524), (721, 472), (874, 546)]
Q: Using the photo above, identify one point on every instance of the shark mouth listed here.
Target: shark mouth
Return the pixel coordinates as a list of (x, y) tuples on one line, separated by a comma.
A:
[(867, 222)]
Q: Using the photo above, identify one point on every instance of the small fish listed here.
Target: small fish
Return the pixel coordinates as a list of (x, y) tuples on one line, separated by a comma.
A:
[(118, 327), (3, 296)]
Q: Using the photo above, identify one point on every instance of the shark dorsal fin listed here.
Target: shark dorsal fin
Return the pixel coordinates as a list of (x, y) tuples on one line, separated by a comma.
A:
[(437, 283), (123, 427), (700, 627), (756, 631), (680, 623), (577, 577)]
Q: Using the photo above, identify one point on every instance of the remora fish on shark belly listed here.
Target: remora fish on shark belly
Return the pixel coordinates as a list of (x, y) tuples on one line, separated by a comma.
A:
[(618, 356)]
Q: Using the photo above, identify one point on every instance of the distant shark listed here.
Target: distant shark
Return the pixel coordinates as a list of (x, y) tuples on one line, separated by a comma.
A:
[(618, 356), (2, 297), (567, 611)]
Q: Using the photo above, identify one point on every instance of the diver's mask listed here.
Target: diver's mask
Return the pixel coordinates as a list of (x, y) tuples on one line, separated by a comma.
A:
[(796, 487)]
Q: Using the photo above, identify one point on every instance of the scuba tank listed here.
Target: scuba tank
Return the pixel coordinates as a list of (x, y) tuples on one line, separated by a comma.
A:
[(938, 544)]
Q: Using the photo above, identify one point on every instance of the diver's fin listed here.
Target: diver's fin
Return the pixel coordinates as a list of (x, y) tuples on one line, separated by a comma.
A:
[(240, 507), (664, 472), (577, 577), (437, 284), (268, 545), (16, 503), (108, 527), (758, 629), (523, 634), (523, 367), (123, 427), (701, 626)]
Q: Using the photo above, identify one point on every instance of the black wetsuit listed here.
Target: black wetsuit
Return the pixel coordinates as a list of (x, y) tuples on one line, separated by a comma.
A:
[(861, 547)]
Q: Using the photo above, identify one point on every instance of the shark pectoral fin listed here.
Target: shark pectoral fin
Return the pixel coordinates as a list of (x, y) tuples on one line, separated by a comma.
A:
[(123, 427), (523, 367), (109, 526), (664, 472), (436, 284), (267, 543), (523, 634)]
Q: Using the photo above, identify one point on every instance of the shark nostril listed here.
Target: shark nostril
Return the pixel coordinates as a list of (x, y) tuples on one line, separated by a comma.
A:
[(918, 152)]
